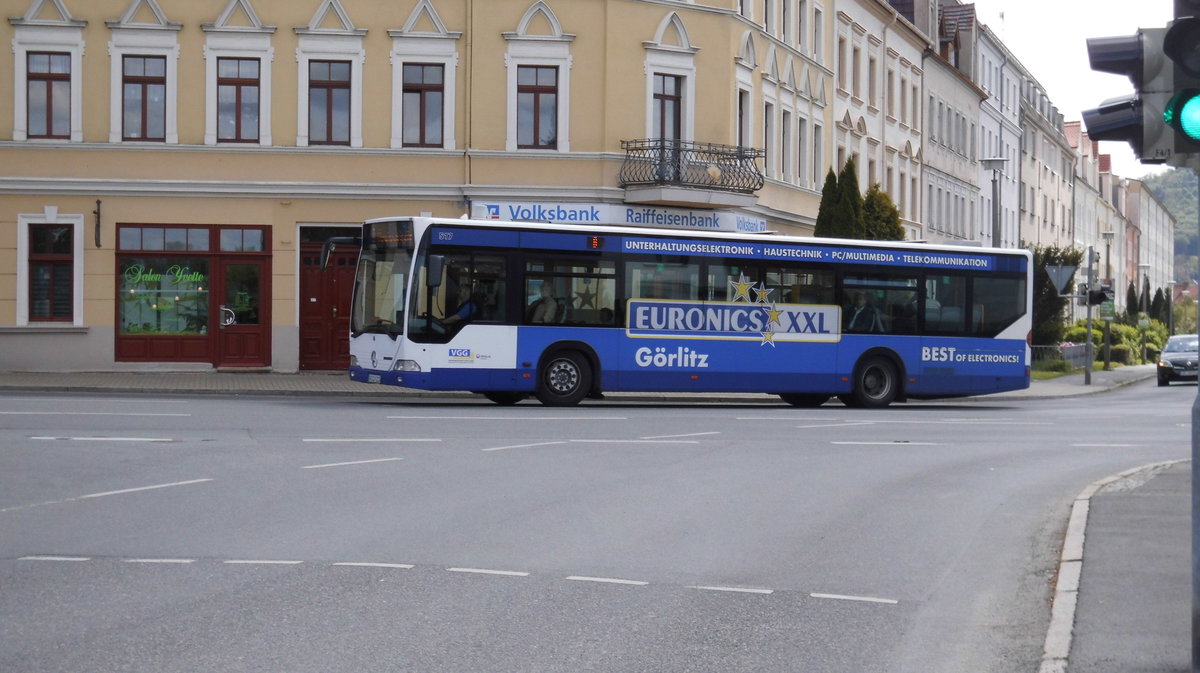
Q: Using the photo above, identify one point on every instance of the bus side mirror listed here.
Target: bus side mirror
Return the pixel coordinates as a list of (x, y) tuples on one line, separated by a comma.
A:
[(433, 273), (331, 245)]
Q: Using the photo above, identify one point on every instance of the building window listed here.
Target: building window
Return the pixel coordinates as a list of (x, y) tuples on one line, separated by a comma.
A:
[(537, 107), (329, 102), (872, 85), (48, 81), (144, 98), (423, 104), (856, 75), (668, 106), (51, 272), (238, 99)]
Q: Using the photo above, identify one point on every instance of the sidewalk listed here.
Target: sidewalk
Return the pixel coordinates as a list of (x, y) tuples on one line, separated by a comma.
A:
[(1126, 609)]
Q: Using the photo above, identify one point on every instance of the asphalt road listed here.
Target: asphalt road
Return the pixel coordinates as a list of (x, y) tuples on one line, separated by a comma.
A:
[(201, 534)]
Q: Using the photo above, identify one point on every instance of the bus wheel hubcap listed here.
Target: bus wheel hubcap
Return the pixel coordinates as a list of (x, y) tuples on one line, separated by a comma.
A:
[(562, 377)]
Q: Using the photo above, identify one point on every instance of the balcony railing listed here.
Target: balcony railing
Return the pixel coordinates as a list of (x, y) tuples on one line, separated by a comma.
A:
[(681, 163)]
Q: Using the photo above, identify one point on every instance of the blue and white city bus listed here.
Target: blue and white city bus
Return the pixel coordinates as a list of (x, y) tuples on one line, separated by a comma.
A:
[(563, 312)]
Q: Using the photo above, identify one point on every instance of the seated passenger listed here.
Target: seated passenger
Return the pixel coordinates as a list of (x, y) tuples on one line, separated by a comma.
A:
[(545, 308), (863, 316)]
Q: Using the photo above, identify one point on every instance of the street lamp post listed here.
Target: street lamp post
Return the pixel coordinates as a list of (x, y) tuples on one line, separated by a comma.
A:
[(1145, 269), (995, 165), (1108, 239), (1170, 308)]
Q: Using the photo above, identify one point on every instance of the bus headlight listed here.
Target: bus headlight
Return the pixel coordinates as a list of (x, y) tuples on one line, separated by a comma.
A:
[(406, 366)]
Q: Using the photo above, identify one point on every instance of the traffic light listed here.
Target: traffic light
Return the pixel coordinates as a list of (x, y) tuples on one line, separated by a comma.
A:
[(1100, 295), (1137, 118), (1181, 44)]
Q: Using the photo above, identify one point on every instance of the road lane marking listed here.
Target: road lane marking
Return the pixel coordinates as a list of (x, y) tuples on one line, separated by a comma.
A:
[(261, 562), (354, 564), (351, 462), (484, 571), (892, 443), (861, 599), (106, 439), (510, 418), (634, 441), (944, 421), (1105, 446), (740, 590), (84, 413), (140, 488), (606, 580), (690, 434), (847, 424), (521, 446), (160, 560), (365, 439), (55, 558)]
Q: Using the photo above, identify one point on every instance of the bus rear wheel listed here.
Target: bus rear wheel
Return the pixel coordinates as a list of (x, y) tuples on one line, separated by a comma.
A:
[(504, 397), (806, 400), (876, 384), (565, 379)]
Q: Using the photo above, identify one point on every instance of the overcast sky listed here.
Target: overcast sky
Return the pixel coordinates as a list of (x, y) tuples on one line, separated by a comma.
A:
[(1049, 37)]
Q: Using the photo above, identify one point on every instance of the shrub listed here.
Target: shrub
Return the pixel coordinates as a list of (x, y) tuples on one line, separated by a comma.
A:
[(1075, 335), (1120, 353)]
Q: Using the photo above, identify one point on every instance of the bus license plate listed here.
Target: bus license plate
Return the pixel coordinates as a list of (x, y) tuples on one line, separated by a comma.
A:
[(373, 378)]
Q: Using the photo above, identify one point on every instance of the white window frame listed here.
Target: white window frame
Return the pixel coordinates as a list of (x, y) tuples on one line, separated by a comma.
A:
[(552, 50), (317, 47), (238, 44), (437, 51), (156, 41), (49, 215), (42, 38), (676, 65)]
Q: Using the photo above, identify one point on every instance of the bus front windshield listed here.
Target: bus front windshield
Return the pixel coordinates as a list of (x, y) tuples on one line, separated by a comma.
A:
[(380, 285)]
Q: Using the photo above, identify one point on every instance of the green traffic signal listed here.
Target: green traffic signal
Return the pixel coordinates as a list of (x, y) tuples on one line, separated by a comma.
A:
[(1183, 113)]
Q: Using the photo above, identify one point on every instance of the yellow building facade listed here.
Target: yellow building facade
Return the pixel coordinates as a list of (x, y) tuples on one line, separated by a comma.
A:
[(171, 167)]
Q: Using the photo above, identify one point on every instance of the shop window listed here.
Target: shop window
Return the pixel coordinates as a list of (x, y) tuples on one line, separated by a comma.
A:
[(163, 295), (241, 240)]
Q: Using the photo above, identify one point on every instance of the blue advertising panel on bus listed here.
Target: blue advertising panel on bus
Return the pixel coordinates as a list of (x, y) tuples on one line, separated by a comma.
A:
[(767, 249)]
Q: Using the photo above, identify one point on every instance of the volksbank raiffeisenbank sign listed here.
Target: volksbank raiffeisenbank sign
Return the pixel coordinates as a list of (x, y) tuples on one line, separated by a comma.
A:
[(610, 213)]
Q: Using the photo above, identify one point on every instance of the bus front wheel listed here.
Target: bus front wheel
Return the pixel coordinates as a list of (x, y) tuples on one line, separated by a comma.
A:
[(805, 400), (876, 383), (565, 379)]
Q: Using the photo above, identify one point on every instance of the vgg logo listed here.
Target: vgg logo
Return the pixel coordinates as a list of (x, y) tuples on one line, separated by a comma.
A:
[(460, 352)]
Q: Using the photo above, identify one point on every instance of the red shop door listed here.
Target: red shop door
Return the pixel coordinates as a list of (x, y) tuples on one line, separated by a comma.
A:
[(243, 313)]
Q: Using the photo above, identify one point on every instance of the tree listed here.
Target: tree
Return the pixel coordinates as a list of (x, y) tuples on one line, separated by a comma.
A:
[(850, 203), (1048, 320), (829, 195), (1158, 306), (1132, 305), (881, 218)]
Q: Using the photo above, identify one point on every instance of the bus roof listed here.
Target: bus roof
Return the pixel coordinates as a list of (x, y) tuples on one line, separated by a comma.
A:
[(628, 229)]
